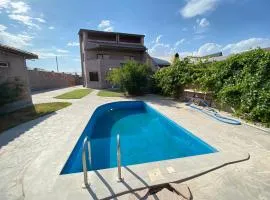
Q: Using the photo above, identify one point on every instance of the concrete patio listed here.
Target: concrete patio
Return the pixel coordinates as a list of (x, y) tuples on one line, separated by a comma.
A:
[(33, 154)]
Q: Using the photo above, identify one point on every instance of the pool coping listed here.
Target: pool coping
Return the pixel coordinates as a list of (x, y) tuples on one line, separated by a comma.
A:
[(135, 176), (104, 184)]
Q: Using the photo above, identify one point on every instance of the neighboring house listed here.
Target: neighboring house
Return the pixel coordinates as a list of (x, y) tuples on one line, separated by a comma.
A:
[(221, 57), (210, 57), (266, 49), (103, 51), (160, 63), (14, 76)]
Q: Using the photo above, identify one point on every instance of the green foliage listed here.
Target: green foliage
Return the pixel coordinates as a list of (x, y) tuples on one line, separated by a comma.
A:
[(10, 91), (242, 82), (132, 77), (172, 80)]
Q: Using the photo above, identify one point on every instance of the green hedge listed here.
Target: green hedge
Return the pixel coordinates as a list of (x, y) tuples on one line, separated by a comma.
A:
[(242, 82)]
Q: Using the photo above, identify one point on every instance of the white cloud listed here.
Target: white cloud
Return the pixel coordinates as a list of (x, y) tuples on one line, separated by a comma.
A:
[(4, 4), (166, 51), (180, 42), (232, 48), (17, 40), (73, 44), (19, 11), (158, 38), (203, 22), (108, 29), (105, 25), (50, 53), (209, 48), (19, 7), (51, 27), (2, 27), (201, 25), (76, 59), (198, 7), (39, 19), (62, 51), (244, 45), (24, 19), (160, 49), (184, 29)]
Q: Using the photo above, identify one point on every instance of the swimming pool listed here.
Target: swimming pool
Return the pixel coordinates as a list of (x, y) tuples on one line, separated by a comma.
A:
[(146, 136)]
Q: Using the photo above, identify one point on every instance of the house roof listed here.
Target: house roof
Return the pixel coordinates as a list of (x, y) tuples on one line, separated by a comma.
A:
[(159, 61), (220, 58), (213, 55), (106, 45), (106, 32), (26, 54)]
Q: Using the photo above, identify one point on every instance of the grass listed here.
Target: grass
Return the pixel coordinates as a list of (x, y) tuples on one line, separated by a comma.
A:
[(20, 116), (110, 93), (75, 94)]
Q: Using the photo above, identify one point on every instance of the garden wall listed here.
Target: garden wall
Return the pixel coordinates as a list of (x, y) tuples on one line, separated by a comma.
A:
[(40, 80)]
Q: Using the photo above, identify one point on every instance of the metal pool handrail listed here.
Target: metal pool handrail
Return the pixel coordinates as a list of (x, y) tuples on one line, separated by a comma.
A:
[(84, 164), (119, 178)]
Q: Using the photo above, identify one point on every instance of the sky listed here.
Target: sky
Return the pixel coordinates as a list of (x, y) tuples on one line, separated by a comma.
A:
[(50, 28)]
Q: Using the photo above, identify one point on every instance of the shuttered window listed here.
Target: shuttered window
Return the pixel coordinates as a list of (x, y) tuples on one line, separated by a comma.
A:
[(93, 76)]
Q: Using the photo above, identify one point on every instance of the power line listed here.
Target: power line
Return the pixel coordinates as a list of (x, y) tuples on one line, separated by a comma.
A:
[(56, 63)]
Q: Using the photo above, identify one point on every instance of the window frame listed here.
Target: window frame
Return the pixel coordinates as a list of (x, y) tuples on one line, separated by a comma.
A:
[(94, 77), (5, 64)]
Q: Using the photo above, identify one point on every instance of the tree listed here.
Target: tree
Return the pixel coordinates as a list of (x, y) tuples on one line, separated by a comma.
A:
[(176, 57), (132, 77), (172, 80)]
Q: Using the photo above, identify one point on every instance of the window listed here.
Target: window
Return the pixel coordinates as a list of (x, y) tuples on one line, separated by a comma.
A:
[(93, 76), (99, 56), (4, 64), (106, 56), (103, 56), (129, 58)]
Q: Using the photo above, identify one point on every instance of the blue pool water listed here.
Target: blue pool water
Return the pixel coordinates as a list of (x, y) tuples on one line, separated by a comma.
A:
[(146, 136)]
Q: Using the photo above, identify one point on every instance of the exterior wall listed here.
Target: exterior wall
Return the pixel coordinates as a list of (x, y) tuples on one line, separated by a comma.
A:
[(83, 42), (90, 63), (40, 80), (16, 70), (103, 66)]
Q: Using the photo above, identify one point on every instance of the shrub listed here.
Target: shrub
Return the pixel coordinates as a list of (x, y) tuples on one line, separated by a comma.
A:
[(10, 91), (172, 80), (133, 77), (242, 82)]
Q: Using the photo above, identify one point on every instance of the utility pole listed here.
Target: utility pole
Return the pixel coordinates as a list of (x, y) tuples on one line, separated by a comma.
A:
[(56, 63)]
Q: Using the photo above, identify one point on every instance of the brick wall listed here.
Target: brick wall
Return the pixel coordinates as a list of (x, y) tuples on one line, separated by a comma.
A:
[(40, 80)]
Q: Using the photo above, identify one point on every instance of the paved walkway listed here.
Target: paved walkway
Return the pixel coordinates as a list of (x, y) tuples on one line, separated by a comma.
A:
[(48, 95), (25, 149), (21, 145)]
